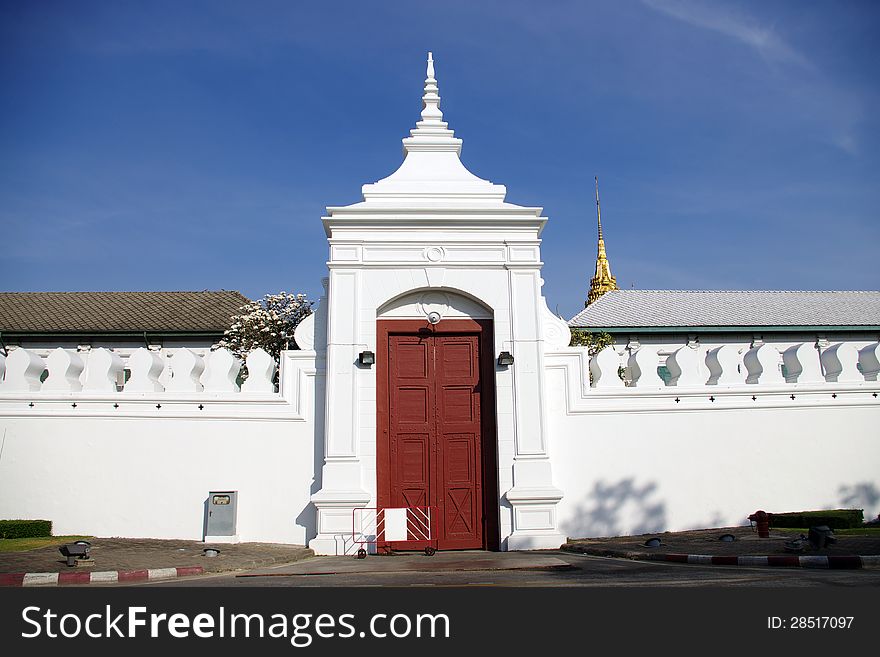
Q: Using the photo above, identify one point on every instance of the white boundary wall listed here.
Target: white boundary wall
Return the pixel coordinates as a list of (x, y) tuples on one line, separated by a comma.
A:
[(643, 458), (144, 467), (667, 458)]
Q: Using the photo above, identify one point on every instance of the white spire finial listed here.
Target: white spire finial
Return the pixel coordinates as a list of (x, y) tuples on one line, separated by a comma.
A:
[(432, 170), (431, 132), (431, 114)]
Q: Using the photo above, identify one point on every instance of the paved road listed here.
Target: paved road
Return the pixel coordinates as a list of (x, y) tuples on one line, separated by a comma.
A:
[(548, 570)]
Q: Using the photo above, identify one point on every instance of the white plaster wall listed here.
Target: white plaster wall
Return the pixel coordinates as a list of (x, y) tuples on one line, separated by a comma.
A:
[(141, 464), (143, 477), (626, 473), (635, 462)]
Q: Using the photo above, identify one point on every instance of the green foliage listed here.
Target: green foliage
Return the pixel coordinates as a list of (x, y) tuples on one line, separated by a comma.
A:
[(835, 518), (595, 342), (857, 531), (25, 544), (25, 528)]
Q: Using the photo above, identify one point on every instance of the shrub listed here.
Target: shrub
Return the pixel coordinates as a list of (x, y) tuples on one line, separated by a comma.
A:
[(835, 519), (25, 528), (595, 342)]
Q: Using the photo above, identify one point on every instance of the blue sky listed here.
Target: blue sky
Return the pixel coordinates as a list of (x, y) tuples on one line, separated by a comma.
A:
[(194, 145)]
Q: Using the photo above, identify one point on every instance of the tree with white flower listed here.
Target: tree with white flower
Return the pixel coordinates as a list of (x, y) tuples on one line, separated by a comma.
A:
[(268, 323)]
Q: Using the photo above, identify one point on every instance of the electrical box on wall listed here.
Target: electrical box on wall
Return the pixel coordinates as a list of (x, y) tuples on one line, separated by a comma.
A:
[(221, 509)]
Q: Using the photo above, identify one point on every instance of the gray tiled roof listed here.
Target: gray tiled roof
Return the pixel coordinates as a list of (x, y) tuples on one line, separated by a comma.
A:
[(704, 308), (98, 312)]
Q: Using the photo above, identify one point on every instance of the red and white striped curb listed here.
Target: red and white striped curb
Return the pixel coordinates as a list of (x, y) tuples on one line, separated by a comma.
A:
[(100, 577), (777, 561)]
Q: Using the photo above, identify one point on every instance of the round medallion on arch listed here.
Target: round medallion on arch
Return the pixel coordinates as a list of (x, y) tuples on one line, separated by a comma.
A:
[(434, 303), (434, 253)]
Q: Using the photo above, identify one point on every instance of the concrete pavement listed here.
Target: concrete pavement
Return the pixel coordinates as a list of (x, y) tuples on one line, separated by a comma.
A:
[(119, 560), (132, 560)]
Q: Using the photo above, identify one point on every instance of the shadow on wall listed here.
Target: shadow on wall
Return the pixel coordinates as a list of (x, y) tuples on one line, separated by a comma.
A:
[(717, 520), (860, 496), (506, 515), (206, 506), (614, 509)]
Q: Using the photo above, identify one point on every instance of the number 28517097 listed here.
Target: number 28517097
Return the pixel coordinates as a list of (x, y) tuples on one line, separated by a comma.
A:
[(810, 622)]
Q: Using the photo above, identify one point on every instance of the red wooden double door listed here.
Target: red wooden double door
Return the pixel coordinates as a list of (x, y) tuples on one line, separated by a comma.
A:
[(436, 428)]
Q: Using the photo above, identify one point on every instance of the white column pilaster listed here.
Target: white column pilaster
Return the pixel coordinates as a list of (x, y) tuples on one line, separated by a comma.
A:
[(533, 497), (341, 475)]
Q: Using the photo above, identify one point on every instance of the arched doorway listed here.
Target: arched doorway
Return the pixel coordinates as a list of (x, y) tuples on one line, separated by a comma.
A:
[(436, 436)]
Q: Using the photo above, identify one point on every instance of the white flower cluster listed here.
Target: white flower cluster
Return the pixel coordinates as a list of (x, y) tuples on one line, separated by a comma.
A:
[(268, 323)]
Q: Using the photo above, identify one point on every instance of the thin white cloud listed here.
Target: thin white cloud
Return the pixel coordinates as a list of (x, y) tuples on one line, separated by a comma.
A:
[(814, 96), (764, 40)]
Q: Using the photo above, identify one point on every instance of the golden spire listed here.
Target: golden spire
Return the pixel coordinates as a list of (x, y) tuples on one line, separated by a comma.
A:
[(603, 281)]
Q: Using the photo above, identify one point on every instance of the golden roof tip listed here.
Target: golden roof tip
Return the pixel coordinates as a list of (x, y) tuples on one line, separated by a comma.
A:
[(603, 281)]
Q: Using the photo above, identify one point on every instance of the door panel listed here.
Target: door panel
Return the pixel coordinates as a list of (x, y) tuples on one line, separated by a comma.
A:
[(458, 515), (413, 469), (459, 436), (457, 404), (435, 434), (411, 422), (460, 503), (411, 358), (413, 405)]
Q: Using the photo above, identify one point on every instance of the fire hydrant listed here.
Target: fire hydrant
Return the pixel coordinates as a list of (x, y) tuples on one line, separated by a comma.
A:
[(762, 522)]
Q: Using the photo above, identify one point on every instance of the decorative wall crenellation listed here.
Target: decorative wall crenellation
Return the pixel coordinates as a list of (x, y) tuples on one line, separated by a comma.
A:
[(838, 375), (760, 365), (104, 371)]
